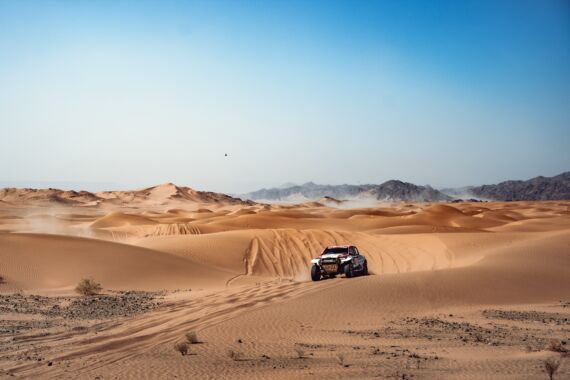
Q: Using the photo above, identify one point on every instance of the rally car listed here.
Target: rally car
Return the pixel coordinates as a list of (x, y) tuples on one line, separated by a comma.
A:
[(339, 259)]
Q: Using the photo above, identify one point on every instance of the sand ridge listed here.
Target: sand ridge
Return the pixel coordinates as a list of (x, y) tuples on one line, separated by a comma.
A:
[(446, 278)]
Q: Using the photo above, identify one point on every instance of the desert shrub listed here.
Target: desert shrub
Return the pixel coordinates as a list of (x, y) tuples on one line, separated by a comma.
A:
[(551, 366), (479, 337), (300, 352), (234, 355), (88, 287), (1, 280), (192, 337), (181, 347), (341, 359), (375, 351), (556, 346)]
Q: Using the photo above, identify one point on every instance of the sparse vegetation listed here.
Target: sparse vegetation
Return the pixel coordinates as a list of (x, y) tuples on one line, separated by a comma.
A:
[(300, 352), (181, 347), (555, 345), (192, 337), (551, 366), (88, 287), (234, 355), (340, 358), (479, 337)]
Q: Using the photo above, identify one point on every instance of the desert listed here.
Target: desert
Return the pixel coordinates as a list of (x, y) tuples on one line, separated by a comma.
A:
[(285, 190), (456, 290)]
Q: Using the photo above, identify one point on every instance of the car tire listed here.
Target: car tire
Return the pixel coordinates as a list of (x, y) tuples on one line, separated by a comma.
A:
[(365, 269), (315, 273), (348, 272)]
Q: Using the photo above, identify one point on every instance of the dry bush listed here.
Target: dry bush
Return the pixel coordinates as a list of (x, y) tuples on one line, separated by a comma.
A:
[(555, 345), (1, 280), (192, 337), (234, 355), (375, 351), (479, 338), (300, 352), (340, 359), (181, 347), (88, 287), (551, 366)]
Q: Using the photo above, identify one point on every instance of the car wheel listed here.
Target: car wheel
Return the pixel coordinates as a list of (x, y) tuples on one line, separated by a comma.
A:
[(315, 273), (348, 273), (365, 269)]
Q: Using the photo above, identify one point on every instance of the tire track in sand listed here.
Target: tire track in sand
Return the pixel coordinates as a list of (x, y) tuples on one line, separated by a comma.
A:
[(114, 342)]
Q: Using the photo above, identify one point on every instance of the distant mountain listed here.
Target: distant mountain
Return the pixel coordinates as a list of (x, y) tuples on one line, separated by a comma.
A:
[(539, 188), (388, 191), (535, 189)]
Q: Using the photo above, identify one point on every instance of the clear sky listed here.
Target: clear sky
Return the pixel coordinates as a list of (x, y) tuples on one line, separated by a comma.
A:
[(131, 94)]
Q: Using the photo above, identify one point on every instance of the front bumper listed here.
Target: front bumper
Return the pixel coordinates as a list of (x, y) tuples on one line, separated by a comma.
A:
[(330, 266)]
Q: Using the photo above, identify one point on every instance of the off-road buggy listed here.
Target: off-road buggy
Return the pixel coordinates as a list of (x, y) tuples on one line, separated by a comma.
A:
[(339, 259)]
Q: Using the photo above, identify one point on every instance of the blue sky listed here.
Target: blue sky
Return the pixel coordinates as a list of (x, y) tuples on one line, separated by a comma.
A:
[(131, 94)]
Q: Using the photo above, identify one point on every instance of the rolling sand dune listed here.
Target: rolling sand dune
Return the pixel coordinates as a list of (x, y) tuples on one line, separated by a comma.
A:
[(51, 262), (118, 219), (463, 290)]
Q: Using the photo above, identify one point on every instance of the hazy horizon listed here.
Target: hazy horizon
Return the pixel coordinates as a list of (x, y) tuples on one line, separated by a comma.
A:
[(109, 186), (135, 94)]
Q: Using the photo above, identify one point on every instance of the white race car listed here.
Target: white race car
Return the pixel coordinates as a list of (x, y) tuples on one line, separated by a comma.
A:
[(339, 259)]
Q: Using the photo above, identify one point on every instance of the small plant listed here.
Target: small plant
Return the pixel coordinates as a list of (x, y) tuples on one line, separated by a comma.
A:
[(88, 287), (300, 352), (479, 337), (181, 347), (192, 337), (555, 345), (234, 355), (551, 366), (341, 359)]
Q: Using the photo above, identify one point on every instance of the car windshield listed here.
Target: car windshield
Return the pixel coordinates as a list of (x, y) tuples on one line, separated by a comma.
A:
[(336, 250)]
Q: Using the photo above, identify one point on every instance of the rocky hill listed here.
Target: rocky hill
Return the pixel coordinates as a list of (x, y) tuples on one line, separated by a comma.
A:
[(535, 189), (539, 188), (392, 190)]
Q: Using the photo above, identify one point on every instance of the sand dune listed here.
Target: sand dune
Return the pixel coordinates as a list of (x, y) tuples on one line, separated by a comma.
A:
[(280, 241), (161, 195), (34, 262), (441, 273), (118, 219)]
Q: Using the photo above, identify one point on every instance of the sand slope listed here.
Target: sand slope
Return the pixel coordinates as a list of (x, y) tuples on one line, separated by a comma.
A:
[(49, 262), (473, 284)]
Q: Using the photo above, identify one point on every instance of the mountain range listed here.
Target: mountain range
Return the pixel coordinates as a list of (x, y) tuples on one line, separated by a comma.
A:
[(535, 189), (388, 191), (539, 188)]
